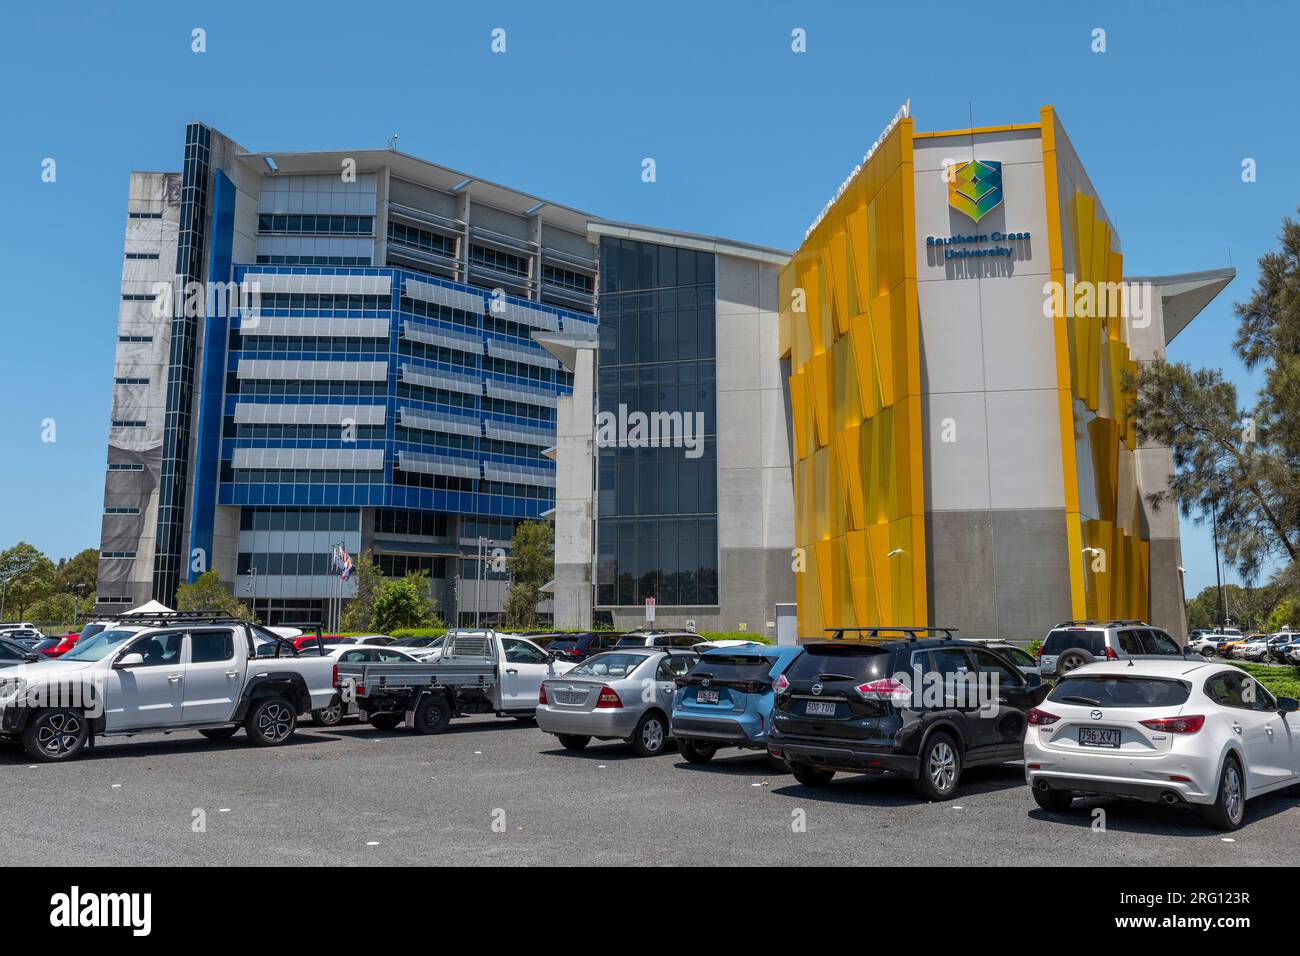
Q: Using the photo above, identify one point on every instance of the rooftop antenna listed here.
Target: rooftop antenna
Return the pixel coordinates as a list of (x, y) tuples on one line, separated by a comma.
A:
[(392, 142)]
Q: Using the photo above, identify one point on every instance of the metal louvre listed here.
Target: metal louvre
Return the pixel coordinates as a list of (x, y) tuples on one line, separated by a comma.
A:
[(460, 341), (522, 314), (520, 353), (437, 464), (519, 474), (307, 369), (250, 413), (520, 433), (333, 459), (321, 284), (521, 393), (331, 326), (433, 422), (440, 295), (448, 381)]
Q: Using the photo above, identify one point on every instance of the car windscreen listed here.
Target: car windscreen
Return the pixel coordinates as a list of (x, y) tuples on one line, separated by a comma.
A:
[(90, 630), (1062, 639), (49, 644), (630, 642), (1107, 691), (563, 644), (101, 645), (821, 662), (733, 666), (609, 665)]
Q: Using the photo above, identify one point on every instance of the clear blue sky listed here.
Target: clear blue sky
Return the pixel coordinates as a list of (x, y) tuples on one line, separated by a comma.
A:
[(749, 138)]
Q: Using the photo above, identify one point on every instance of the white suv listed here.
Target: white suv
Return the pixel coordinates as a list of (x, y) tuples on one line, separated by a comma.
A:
[(1178, 732), (1075, 643)]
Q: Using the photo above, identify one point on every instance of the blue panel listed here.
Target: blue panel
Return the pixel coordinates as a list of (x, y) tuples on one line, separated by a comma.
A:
[(212, 380)]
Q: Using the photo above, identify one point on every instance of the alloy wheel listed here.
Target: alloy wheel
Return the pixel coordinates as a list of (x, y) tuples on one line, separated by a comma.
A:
[(942, 766), (652, 734), (58, 733), (1232, 802), (274, 721)]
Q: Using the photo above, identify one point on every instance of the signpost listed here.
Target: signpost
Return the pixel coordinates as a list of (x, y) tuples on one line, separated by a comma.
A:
[(649, 610)]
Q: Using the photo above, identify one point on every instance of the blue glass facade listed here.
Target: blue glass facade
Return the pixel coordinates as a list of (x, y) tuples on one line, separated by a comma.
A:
[(467, 398)]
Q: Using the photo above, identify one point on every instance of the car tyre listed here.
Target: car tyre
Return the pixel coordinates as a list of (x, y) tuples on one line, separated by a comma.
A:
[(573, 741), (384, 721), (433, 716), (777, 765), (697, 751), (1054, 801), (811, 776), (59, 733), (271, 721), (1229, 807), (651, 735), (219, 733), (330, 716), (1068, 662), (939, 772)]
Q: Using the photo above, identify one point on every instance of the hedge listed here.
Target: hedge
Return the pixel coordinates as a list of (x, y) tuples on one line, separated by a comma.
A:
[(707, 635)]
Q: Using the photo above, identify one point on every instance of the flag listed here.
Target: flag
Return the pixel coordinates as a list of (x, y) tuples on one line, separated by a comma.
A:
[(345, 563)]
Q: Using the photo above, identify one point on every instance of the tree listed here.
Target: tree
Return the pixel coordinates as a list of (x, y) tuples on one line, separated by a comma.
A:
[(359, 615), (1280, 618), (405, 602), (531, 564), (207, 593), (1240, 465), (78, 574), (26, 576)]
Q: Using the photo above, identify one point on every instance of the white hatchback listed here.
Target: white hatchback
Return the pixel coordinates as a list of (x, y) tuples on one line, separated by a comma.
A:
[(1206, 734)]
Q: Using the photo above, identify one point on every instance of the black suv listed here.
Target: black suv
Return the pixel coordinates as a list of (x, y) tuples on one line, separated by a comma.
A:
[(914, 701), (578, 647)]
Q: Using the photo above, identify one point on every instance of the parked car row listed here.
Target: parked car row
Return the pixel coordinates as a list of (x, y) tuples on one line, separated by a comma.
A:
[(1134, 720)]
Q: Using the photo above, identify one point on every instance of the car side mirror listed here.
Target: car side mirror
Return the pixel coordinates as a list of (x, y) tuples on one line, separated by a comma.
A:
[(1033, 681), (32, 658), (1287, 705), (130, 660)]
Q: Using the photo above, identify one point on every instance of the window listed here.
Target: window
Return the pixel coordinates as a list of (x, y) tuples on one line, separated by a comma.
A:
[(116, 510), (207, 647), (392, 657), (986, 662), (125, 466), (159, 650), (674, 666), (144, 215), (1129, 643), (137, 296), (317, 225), (104, 555), (114, 599), (128, 423), (142, 255), (1160, 643), (135, 338), (357, 657), (1237, 689), (1122, 691), (122, 380), (1062, 639), (498, 261), (521, 652)]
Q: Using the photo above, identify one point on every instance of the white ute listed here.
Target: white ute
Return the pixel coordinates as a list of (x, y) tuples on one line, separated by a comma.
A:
[(151, 673)]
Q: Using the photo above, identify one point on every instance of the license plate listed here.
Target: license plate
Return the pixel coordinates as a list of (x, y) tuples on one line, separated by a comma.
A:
[(706, 696), (409, 716), (1099, 737), (569, 697), (819, 708)]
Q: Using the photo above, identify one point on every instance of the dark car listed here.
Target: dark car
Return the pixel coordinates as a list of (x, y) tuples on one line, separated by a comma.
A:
[(920, 706), (578, 647), (12, 653)]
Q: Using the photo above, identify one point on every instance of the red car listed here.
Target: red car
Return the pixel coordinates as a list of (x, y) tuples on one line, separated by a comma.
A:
[(57, 646), (307, 642)]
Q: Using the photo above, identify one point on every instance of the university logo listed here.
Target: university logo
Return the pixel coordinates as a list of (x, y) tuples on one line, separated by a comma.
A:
[(976, 188)]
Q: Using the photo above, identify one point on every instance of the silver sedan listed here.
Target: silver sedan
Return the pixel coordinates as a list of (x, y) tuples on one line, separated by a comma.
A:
[(624, 694)]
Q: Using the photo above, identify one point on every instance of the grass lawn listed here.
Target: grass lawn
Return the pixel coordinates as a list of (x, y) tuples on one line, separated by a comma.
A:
[(1280, 681)]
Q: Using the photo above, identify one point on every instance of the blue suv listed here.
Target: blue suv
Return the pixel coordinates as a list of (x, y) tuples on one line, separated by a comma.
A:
[(725, 700)]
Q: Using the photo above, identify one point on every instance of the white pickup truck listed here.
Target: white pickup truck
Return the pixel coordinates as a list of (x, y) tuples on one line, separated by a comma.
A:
[(478, 672), (161, 673)]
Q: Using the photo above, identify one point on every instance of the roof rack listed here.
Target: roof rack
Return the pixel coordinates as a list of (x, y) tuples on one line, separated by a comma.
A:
[(908, 632), (1108, 623), (161, 618)]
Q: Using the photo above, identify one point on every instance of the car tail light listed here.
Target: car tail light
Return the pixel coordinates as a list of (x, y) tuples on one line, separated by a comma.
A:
[(1111, 655), (1179, 778), (1039, 655), (608, 698), (887, 688), (335, 677), (1176, 725), (780, 683), (1033, 766), (1040, 718), (360, 690), (541, 694)]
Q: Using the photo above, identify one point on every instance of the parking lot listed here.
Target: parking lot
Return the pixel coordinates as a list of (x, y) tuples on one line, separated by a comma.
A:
[(499, 792)]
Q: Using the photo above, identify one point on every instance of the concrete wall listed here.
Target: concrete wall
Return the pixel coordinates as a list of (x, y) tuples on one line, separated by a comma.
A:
[(755, 484), (995, 502), (575, 496)]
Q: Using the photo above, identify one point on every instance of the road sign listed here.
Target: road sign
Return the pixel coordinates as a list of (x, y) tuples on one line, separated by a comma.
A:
[(649, 610)]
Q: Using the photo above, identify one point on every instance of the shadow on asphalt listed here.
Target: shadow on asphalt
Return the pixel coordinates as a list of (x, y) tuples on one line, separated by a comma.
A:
[(124, 747), (354, 729), (605, 751), (1157, 819), (736, 763), (891, 790)]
